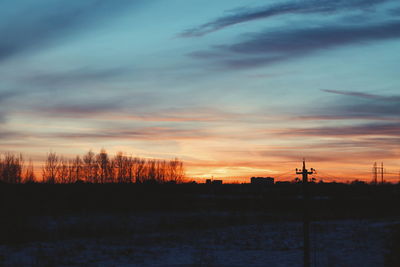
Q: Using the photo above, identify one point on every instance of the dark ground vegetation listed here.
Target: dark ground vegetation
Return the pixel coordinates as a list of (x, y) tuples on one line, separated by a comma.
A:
[(24, 205)]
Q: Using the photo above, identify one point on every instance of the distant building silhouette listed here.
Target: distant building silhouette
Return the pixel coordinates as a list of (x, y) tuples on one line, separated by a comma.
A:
[(210, 181), (262, 180)]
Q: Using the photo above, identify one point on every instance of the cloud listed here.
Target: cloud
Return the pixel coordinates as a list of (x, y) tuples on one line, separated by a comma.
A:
[(4, 97), (363, 95), (343, 116), (72, 77), (369, 129), (78, 110), (361, 142), (322, 155), (46, 100), (138, 133), (270, 47), (134, 107), (33, 25), (91, 105), (183, 114), (358, 105), (12, 135), (104, 104), (241, 15), (354, 105), (395, 11)]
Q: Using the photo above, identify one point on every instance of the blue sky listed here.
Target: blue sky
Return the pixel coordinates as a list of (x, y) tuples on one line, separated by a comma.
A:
[(234, 88)]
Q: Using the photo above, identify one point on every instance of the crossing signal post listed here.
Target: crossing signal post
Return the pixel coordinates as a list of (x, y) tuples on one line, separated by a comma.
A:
[(306, 212)]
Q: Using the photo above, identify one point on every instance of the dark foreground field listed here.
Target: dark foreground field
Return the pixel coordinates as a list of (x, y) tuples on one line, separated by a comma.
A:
[(197, 225)]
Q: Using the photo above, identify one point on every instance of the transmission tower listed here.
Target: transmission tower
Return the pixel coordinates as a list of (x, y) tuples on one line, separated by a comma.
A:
[(306, 215)]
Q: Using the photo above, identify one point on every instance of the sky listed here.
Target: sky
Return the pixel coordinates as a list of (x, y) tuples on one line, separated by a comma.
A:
[(233, 88)]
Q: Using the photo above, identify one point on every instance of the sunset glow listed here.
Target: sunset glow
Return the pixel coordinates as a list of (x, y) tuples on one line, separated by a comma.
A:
[(232, 88)]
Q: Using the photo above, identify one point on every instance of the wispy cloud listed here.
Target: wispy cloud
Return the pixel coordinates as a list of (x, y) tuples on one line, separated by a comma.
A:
[(34, 25), (77, 110), (322, 155), (370, 129), (241, 15), (4, 97), (274, 46), (80, 76), (12, 135), (358, 105), (138, 133), (133, 108), (93, 104), (363, 95), (395, 11)]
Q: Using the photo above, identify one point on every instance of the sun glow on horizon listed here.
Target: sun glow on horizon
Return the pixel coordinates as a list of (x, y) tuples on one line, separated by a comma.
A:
[(223, 88)]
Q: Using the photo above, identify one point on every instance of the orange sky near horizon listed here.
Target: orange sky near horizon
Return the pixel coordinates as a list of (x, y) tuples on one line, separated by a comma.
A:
[(241, 172), (230, 147), (233, 88)]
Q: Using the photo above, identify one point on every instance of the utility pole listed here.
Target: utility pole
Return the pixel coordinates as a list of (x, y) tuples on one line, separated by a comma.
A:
[(382, 173), (306, 215), (375, 174)]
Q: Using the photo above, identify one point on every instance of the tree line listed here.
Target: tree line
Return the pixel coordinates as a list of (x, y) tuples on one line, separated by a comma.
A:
[(91, 168)]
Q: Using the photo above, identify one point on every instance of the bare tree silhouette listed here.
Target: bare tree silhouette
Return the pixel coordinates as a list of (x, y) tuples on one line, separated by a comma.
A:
[(92, 168), (29, 176), (50, 168), (11, 167)]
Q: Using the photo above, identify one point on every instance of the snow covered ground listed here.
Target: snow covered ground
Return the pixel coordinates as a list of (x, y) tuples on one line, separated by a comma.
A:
[(334, 243)]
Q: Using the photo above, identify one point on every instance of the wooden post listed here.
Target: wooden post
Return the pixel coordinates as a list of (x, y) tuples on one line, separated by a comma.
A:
[(306, 214)]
